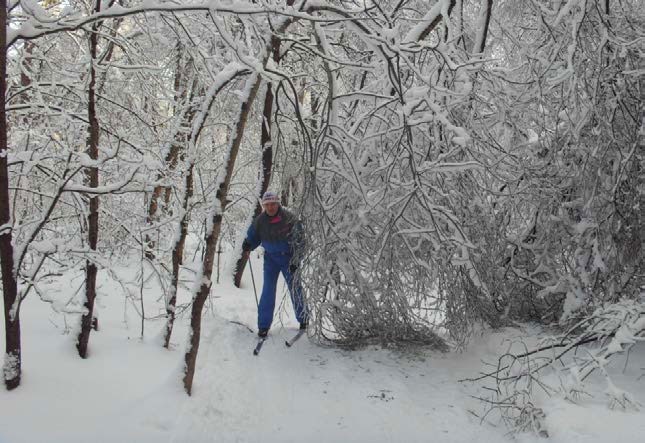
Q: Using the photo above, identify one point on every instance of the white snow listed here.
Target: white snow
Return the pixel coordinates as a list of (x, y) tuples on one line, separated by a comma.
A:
[(129, 390)]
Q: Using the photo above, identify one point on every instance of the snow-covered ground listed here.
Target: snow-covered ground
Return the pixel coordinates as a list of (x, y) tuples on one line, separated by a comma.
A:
[(129, 389)]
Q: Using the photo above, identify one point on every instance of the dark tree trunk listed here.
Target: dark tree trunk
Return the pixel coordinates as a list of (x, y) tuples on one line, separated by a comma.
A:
[(178, 249), (267, 165), (153, 207), (486, 13), (13, 358), (212, 236), (432, 25), (267, 155), (183, 91), (178, 256), (93, 180)]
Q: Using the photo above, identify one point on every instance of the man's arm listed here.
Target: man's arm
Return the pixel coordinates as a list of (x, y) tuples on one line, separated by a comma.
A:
[(252, 240)]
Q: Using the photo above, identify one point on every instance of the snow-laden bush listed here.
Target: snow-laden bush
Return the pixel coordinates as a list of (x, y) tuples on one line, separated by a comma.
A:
[(499, 191), (560, 365)]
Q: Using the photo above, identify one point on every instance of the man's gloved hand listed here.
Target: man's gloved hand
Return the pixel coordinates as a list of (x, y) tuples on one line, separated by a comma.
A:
[(246, 246)]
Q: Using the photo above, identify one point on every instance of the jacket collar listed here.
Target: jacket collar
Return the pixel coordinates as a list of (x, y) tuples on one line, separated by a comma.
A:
[(277, 214)]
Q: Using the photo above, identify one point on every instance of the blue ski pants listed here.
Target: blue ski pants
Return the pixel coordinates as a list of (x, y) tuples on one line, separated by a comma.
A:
[(274, 263)]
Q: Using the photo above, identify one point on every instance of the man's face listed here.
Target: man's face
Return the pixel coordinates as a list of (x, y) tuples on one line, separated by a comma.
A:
[(271, 208)]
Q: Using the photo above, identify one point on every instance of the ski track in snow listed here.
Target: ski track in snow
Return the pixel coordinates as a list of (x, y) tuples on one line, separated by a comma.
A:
[(318, 394)]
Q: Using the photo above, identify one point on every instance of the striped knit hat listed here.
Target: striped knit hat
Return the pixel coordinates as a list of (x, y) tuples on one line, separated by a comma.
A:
[(270, 197)]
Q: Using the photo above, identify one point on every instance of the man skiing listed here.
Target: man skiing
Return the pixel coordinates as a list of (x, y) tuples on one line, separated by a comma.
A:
[(280, 233)]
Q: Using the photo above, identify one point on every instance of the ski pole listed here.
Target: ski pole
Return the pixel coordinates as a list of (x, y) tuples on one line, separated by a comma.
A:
[(255, 291)]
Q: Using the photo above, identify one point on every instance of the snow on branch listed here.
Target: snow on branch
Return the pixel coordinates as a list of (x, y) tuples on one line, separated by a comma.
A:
[(113, 188), (430, 20), (40, 23), (586, 347)]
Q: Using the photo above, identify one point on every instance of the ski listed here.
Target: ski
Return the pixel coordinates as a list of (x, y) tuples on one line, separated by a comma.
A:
[(295, 338), (258, 347)]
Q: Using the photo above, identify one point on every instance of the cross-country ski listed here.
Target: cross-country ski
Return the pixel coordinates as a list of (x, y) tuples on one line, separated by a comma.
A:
[(295, 338), (258, 346)]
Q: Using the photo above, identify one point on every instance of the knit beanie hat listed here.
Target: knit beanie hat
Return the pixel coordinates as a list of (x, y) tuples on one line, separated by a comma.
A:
[(270, 197)]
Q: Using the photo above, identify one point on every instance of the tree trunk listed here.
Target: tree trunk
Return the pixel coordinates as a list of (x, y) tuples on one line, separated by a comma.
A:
[(212, 234), (183, 91), (267, 164), (178, 256), (93, 179), (13, 359), (267, 153), (433, 24), (178, 249), (485, 13)]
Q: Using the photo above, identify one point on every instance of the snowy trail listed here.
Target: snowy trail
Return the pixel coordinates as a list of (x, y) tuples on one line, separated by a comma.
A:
[(319, 394)]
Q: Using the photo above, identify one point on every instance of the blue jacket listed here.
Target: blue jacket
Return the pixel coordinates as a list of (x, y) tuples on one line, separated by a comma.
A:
[(280, 234)]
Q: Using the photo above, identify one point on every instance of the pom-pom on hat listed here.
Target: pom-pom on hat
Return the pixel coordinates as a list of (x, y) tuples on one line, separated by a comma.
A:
[(270, 197)]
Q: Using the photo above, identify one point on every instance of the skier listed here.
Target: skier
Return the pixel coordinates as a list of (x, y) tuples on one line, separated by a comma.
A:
[(280, 233)]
